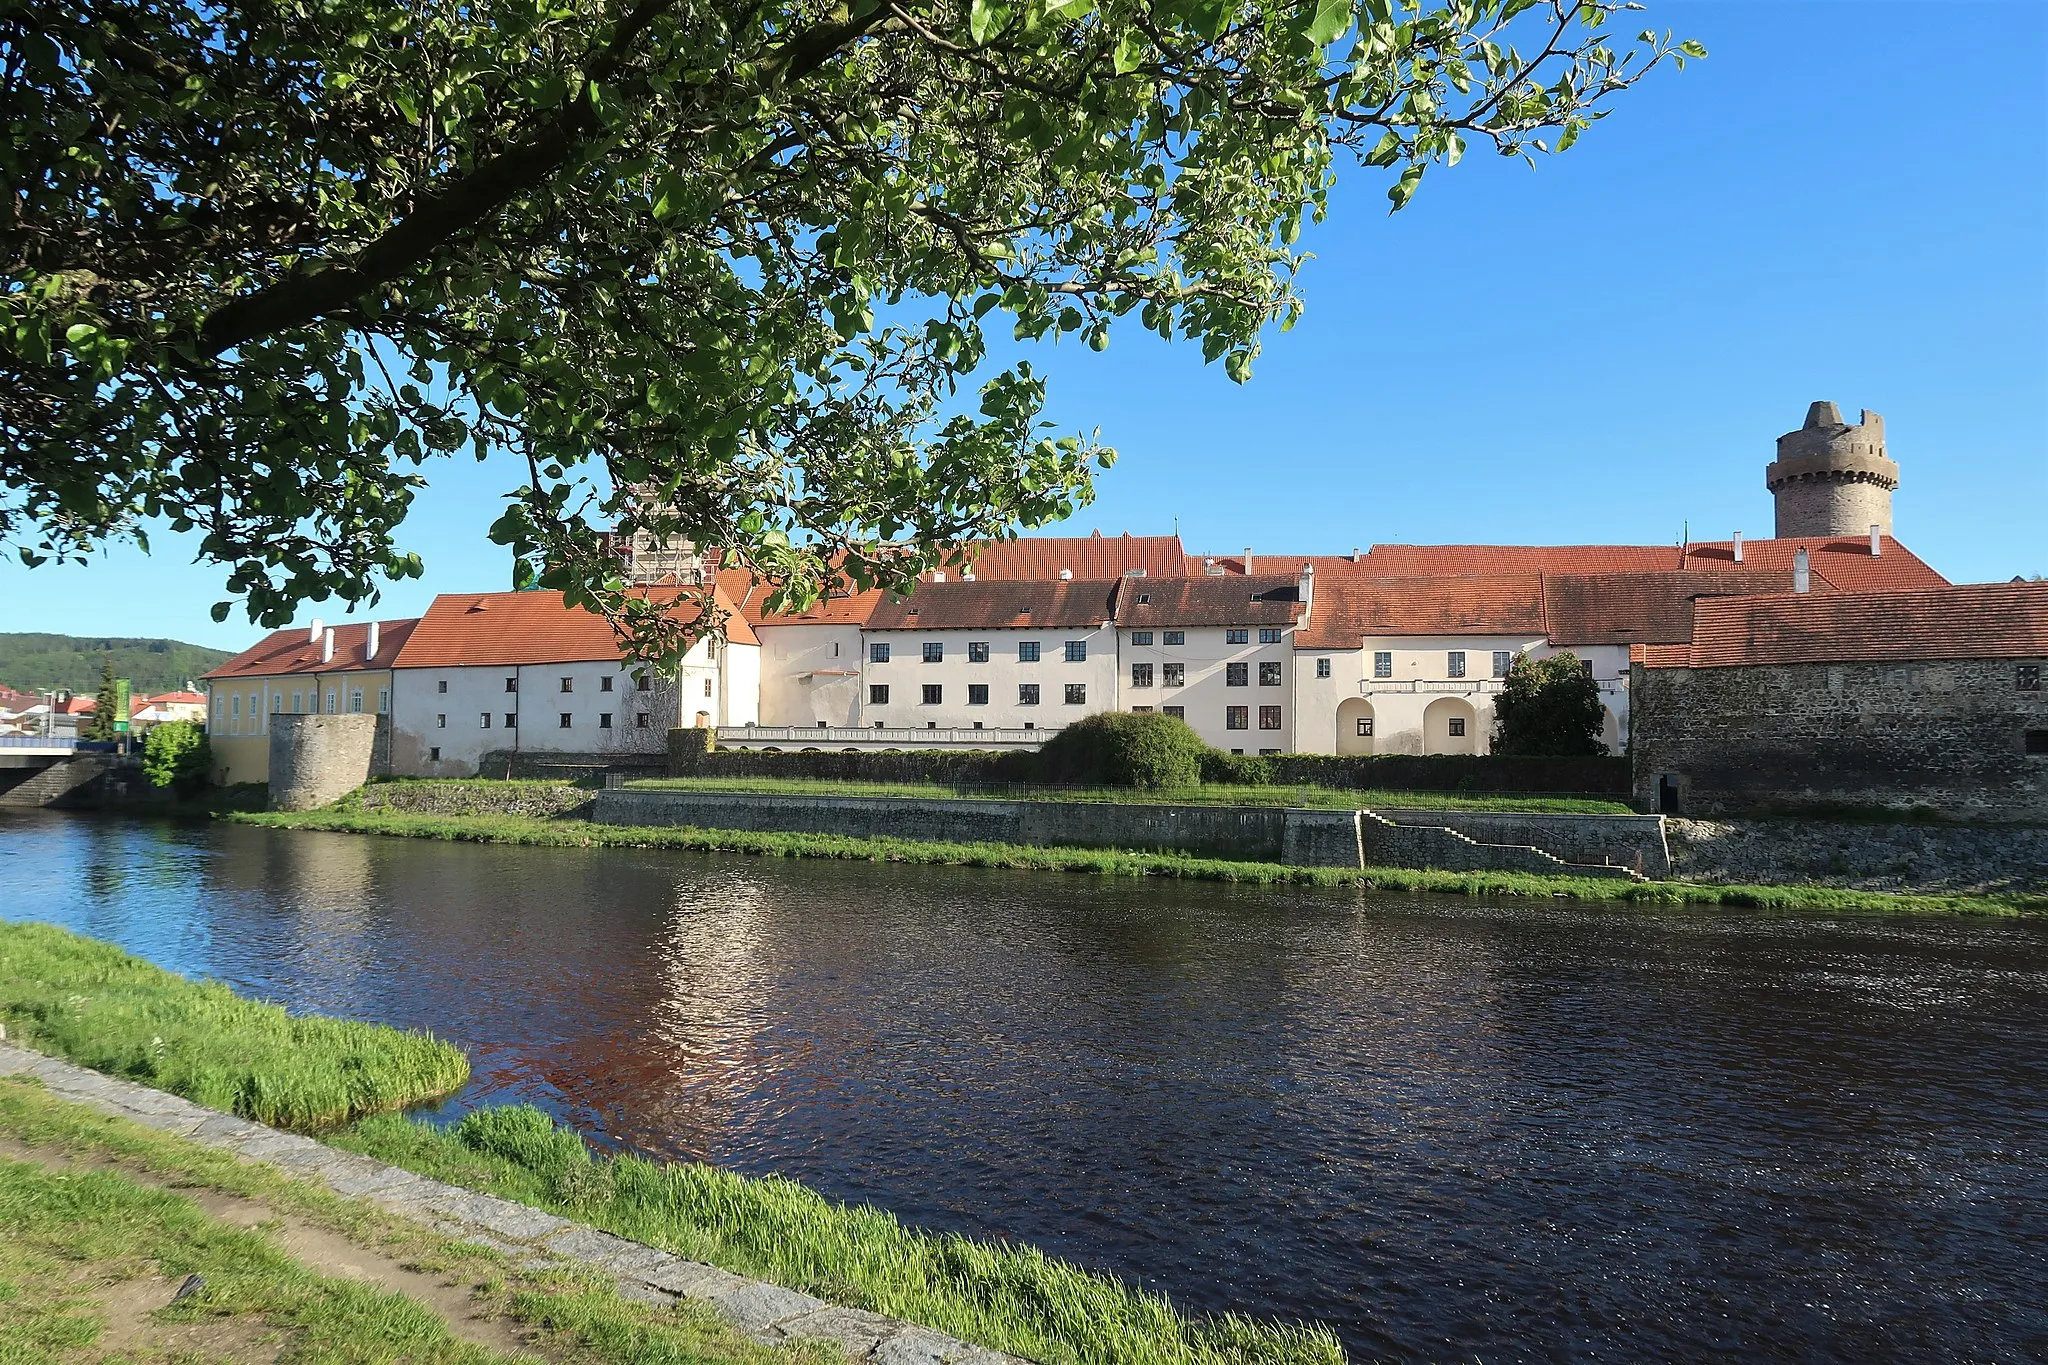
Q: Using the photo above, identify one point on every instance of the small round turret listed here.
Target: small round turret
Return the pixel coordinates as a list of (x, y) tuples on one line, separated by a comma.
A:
[(1832, 478)]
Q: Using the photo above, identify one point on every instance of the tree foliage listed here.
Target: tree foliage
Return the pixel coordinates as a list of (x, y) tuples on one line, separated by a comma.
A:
[(707, 268), (1549, 708), (106, 707), (176, 753)]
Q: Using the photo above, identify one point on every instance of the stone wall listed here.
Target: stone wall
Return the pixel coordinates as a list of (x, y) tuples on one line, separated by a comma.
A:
[(316, 760), (1946, 736), (542, 800), (1273, 834), (543, 765), (1868, 856), (1634, 841)]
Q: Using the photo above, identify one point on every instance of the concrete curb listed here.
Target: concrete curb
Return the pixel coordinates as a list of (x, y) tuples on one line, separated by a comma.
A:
[(768, 1313)]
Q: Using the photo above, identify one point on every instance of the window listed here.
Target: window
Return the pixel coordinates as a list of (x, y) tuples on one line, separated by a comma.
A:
[(1269, 717), (1322, 668), (235, 713), (511, 720), (1176, 637), (1237, 675), (1269, 635), (878, 653), (1176, 675), (878, 694), (512, 683), (1027, 694), (1383, 663), (604, 720), (1457, 727), (433, 755), (1237, 637), (640, 721), (707, 687), (935, 651), (1141, 675), (1077, 651), (441, 686), (1077, 694), (568, 684), (1027, 651), (643, 683), (483, 722), (977, 651), (604, 684), (2027, 677), (1454, 663), (1177, 712), (1141, 710), (978, 725), (2037, 742), (1236, 718), (934, 694), (567, 719), (441, 721), (355, 702), (1141, 637), (1503, 660), (299, 701), (1365, 727), (977, 694), (1269, 673), (1144, 599), (383, 701), (333, 701)]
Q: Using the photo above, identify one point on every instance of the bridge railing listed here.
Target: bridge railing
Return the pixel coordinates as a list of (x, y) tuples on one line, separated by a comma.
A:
[(46, 743)]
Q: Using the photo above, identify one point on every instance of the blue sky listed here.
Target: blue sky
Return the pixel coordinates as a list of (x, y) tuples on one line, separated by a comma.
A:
[(1846, 201)]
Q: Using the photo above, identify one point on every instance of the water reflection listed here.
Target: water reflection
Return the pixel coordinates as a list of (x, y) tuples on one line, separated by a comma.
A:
[(1506, 1132)]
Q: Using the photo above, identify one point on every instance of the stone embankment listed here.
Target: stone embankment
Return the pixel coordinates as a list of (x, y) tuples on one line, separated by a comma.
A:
[(540, 800), (1976, 859), (1274, 834), (529, 1236)]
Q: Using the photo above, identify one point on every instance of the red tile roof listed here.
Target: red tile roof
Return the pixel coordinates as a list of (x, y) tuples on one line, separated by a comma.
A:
[(1977, 621), (1641, 608), (290, 651), (1259, 600), (1087, 557), (986, 604), (467, 628), (749, 596), (1348, 607), (1469, 559), (1847, 563), (79, 706)]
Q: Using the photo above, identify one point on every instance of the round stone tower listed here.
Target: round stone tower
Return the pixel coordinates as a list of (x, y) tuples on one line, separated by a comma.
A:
[(1831, 478)]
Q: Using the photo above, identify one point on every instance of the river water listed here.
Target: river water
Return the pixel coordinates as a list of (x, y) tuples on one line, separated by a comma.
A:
[(1452, 1130)]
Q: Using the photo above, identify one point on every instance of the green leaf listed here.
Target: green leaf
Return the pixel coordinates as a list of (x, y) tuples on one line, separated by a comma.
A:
[(1327, 21), (1404, 189), (1693, 47), (1131, 52)]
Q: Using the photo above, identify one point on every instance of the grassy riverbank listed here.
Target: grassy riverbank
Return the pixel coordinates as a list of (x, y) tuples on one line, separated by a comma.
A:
[(1207, 794), (93, 1004), (508, 829)]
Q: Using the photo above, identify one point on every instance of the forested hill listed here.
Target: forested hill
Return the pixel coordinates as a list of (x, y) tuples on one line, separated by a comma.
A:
[(31, 662)]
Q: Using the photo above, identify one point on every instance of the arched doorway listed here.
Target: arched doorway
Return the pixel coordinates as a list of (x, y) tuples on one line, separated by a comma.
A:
[(1355, 725), (1450, 726), (1610, 731)]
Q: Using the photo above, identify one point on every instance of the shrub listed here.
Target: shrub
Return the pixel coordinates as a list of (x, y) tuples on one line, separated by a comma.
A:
[(1123, 749), (176, 754), (1550, 707), (1237, 770)]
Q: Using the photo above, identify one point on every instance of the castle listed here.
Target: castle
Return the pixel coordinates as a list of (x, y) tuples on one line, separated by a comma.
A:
[(1832, 478)]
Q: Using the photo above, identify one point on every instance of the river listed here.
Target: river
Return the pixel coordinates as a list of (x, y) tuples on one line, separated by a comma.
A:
[(1450, 1129)]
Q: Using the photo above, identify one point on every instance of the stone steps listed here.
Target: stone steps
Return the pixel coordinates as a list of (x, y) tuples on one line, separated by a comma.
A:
[(1384, 842)]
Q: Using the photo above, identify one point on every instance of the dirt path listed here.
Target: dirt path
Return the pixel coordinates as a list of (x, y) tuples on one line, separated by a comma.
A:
[(128, 1305)]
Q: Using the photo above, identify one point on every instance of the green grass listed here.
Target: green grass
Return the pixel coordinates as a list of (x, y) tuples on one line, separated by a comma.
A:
[(72, 1231), (506, 829), (96, 1005), (1315, 798), (1010, 1297)]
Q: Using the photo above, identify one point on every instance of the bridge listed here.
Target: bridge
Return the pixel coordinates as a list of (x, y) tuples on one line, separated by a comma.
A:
[(48, 770)]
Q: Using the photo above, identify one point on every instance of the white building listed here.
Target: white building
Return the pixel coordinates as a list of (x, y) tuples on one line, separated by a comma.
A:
[(981, 654), (1216, 652), (513, 674)]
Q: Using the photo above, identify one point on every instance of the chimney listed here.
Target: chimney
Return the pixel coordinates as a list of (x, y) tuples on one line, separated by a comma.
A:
[(1802, 576), (370, 648), (967, 575), (1247, 559), (1738, 547), (1876, 541), (1307, 590), (1066, 575), (1356, 554), (313, 632), (938, 576), (327, 645)]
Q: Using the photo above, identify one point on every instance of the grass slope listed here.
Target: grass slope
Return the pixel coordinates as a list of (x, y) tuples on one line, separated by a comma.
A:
[(510, 829), (1011, 1297), (95, 1005), (32, 661)]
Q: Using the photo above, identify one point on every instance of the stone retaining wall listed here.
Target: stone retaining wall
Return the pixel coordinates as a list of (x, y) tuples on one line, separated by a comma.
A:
[(1873, 857), (1635, 841), (768, 1313), (318, 759), (423, 796)]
